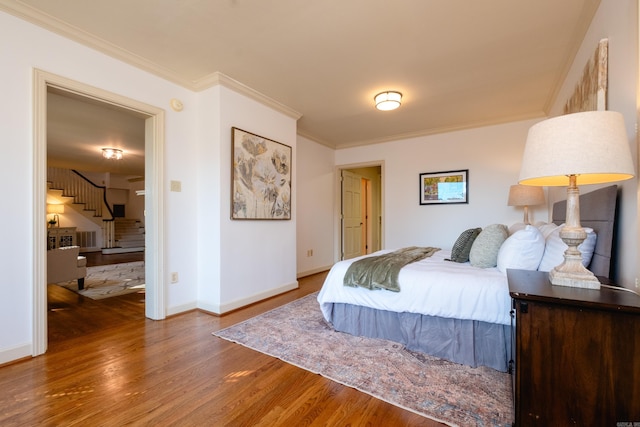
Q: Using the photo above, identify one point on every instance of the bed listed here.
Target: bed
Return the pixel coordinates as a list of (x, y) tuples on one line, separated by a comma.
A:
[(453, 310)]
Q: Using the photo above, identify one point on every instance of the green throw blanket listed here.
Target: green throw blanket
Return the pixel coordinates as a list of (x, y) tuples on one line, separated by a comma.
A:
[(381, 272)]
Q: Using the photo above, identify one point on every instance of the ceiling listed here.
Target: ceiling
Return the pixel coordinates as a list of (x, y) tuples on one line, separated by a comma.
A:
[(78, 128), (458, 63)]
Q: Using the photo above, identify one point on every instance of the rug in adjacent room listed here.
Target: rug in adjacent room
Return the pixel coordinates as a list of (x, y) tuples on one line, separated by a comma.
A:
[(105, 281), (447, 392)]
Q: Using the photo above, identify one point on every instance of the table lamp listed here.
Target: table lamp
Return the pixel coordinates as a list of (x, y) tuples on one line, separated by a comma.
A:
[(587, 148), (525, 195), (55, 210)]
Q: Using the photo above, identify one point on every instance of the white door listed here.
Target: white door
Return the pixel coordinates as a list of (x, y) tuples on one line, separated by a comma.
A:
[(351, 215)]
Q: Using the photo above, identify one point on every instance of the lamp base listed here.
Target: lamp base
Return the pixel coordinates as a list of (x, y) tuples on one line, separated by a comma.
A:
[(574, 280), (571, 272)]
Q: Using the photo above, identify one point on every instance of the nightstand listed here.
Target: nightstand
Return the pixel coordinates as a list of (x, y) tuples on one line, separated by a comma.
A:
[(577, 353)]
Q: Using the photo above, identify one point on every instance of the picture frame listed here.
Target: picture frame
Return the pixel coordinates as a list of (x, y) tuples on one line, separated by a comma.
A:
[(260, 177), (443, 188)]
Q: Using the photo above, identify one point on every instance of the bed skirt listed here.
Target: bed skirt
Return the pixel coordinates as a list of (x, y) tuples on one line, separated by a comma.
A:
[(468, 342)]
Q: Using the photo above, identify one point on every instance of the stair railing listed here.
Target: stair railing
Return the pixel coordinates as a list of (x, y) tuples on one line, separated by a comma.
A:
[(93, 197)]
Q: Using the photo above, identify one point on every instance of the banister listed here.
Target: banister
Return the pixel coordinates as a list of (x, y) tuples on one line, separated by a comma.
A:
[(104, 193)]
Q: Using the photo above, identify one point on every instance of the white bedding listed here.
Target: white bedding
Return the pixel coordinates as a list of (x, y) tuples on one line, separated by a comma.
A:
[(431, 286)]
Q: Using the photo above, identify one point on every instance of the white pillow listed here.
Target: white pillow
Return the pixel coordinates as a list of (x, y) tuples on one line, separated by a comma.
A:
[(522, 250), (516, 227), (546, 229), (555, 247)]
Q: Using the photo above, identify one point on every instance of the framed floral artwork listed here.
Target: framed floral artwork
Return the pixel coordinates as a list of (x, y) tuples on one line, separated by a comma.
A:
[(260, 177), (438, 188)]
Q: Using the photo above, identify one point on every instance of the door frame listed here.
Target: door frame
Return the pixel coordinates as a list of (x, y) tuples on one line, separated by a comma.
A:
[(155, 307), (337, 232)]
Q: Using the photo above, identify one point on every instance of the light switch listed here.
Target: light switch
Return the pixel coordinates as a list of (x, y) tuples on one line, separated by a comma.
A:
[(176, 186)]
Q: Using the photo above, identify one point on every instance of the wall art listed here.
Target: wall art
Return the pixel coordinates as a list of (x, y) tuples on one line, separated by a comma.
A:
[(590, 93), (437, 188), (261, 177)]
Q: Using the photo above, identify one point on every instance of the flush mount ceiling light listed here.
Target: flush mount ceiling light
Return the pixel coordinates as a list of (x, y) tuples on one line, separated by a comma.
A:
[(387, 101), (112, 153)]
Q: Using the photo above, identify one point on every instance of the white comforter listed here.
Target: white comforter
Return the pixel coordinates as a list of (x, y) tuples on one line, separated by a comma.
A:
[(432, 286)]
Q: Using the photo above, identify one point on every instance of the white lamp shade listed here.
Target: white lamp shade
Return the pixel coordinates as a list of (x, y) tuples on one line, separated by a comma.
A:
[(55, 209), (387, 101), (525, 195), (592, 145)]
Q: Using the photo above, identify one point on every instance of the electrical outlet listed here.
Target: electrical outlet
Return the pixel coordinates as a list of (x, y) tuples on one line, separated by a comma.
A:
[(310, 252), (637, 283), (174, 277)]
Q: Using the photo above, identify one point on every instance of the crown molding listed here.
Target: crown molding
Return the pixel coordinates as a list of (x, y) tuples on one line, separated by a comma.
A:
[(442, 130), (315, 139), (78, 35), (48, 22), (221, 79)]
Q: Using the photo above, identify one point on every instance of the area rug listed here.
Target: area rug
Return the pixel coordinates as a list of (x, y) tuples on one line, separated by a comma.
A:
[(447, 392), (105, 281)]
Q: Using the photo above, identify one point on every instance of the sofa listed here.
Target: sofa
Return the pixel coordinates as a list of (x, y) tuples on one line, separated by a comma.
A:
[(65, 264)]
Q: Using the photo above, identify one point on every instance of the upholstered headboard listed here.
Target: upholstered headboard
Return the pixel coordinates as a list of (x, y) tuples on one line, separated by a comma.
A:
[(597, 211)]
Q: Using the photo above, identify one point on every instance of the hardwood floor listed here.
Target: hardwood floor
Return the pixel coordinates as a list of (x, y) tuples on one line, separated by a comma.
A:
[(107, 365)]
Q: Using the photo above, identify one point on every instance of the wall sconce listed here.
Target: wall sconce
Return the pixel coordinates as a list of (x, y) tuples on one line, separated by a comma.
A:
[(525, 195), (591, 147), (387, 101), (112, 153)]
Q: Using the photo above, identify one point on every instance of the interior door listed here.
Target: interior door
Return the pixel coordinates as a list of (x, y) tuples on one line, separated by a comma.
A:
[(351, 215)]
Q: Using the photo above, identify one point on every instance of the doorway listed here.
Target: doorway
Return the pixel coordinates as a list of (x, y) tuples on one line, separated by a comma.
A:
[(360, 210), (154, 218)]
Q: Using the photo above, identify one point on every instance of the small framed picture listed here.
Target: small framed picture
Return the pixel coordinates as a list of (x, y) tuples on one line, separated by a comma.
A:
[(438, 188)]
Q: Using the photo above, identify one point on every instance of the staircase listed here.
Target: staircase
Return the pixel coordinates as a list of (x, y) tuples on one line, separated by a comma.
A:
[(120, 235), (129, 236), (91, 197)]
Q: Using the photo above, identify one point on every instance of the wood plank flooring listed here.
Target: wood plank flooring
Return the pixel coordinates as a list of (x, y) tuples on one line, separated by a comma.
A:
[(107, 365)]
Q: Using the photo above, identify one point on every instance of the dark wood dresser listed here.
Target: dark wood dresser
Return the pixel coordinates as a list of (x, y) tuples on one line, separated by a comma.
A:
[(577, 354)]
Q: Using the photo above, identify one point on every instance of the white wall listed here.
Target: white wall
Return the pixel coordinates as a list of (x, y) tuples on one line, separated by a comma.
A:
[(315, 207), (32, 47), (196, 151), (257, 258), (208, 207), (492, 154), (616, 20)]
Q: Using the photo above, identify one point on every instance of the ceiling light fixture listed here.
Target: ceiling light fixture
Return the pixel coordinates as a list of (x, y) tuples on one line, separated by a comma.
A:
[(112, 153), (387, 101)]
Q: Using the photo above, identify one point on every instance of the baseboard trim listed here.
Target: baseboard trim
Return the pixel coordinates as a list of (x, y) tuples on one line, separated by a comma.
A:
[(243, 302), (14, 354), (313, 271), (179, 309)]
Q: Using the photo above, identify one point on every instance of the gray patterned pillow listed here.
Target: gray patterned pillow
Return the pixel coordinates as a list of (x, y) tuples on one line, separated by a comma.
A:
[(462, 246), (484, 251)]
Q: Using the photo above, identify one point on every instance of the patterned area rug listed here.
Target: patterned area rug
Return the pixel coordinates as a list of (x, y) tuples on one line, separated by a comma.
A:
[(453, 394), (105, 281)]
